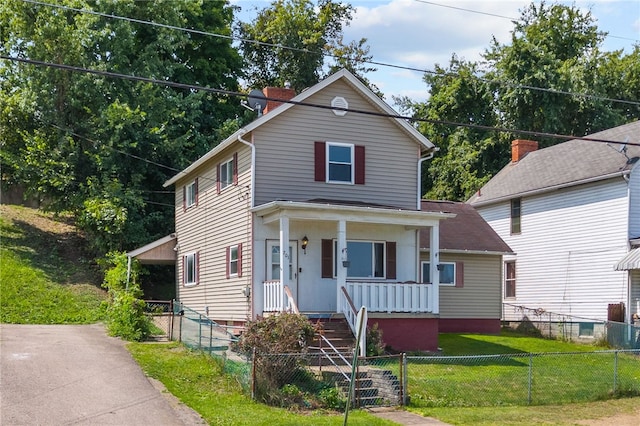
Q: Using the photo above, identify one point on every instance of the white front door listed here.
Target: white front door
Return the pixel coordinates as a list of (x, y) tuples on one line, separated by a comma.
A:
[(273, 264)]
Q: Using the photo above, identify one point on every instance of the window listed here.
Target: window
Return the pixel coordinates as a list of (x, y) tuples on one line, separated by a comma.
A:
[(367, 259), (234, 261), (510, 279), (585, 329), (447, 273), (516, 213), (190, 269), (339, 163), (190, 194), (227, 173)]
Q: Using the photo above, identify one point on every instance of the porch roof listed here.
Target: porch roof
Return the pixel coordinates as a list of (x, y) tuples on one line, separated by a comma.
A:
[(350, 212), (158, 252), (630, 261)]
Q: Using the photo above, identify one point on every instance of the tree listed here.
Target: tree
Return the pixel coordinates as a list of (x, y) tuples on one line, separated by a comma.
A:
[(99, 146), (290, 40)]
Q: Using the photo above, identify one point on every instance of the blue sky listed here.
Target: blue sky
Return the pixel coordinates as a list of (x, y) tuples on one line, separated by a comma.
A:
[(421, 33)]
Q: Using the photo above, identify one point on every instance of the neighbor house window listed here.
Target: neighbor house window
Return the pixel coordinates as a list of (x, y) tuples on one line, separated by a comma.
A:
[(339, 163), (227, 173), (510, 279), (516, 215), (234, 261), (190, 269), (585, 329), (366, 259), (190, 194), (447, 273)]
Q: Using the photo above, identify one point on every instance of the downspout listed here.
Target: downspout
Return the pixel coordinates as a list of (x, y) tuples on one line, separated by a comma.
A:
[(251, 202), (429, 156)]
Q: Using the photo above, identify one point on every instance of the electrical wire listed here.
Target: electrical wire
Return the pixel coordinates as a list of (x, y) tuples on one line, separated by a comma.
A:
[(377, 63), (313, 105)]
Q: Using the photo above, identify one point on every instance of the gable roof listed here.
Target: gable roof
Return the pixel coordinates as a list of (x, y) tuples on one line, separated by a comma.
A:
[(466, 232), (379, 107), (566, 164)]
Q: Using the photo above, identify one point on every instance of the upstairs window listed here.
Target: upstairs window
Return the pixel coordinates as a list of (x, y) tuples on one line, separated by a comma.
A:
[(190, 194), (516, 215), (340, 163), (227, 173)]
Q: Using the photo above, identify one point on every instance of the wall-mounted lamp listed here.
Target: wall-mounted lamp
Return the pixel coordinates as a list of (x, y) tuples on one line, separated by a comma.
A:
[(305, 242)]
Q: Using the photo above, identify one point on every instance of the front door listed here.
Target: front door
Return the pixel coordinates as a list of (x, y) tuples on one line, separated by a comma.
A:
[(273, 264)]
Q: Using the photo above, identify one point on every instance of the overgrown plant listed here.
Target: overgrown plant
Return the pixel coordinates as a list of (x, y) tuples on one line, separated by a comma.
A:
[(125, 316), (375, 344)]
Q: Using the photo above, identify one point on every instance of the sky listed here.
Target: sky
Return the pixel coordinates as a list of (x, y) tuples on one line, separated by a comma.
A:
[(420, 33)]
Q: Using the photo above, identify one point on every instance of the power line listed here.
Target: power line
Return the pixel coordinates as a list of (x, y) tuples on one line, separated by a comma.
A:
[(377, 63), (313, 105)]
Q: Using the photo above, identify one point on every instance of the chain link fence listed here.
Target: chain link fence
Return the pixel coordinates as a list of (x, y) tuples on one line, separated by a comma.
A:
[(571, 328), (161, 314), (522, 379)]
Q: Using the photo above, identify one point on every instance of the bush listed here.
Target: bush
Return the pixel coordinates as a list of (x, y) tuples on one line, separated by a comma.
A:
[(277, 334), (375, 345)]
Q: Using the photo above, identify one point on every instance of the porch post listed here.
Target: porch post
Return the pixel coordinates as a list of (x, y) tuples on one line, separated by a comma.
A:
[(284, 256), (341, 255), (434, 261)]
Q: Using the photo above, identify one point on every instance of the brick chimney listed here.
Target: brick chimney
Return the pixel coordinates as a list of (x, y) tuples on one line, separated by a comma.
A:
[(282, 93), (520, 148)]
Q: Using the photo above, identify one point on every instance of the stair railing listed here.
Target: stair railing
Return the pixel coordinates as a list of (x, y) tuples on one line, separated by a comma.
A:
[(331, 354), (291, 302), (351, 315)]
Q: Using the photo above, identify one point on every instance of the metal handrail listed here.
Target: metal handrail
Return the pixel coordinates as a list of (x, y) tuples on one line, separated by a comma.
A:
[(330, 358)]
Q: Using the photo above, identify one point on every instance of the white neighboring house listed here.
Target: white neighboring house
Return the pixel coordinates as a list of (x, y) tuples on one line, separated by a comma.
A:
[(571, 213)]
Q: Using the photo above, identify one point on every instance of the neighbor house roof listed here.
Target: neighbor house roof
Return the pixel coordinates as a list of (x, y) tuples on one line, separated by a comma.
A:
[(466, 232), (379, 107), (566, 164)]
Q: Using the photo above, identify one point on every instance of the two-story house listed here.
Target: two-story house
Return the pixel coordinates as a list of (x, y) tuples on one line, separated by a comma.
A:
[(571, 213)]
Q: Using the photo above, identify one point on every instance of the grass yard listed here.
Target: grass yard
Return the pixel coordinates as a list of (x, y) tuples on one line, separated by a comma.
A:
[(198, 380), (44, 277)]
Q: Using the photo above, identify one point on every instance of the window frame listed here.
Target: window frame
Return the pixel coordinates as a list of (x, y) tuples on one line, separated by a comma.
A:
[(230, 260), (515, 214), (352, 162), (428, 275), (190, 269), (190, 196), (510, 282), (227, 172)]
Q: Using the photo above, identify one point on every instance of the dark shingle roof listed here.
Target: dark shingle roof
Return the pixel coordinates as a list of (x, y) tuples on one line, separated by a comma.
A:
[(468, 231), (565, 164)]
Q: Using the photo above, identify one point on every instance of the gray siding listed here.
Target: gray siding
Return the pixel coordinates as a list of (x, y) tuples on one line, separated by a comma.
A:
[(480, 296), (569, 242), (218, 221), (285, 154), (634, 202), (635, 292)]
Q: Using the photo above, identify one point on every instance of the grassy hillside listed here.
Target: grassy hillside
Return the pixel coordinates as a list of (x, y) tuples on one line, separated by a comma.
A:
[(46, 276)]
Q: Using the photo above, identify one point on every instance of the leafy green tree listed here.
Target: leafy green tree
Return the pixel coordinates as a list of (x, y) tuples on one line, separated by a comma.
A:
[(290, 40), (100, 146)]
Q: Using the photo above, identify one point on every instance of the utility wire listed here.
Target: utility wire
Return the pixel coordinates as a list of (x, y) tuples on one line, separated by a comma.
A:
[(313, 105), (377, 63)]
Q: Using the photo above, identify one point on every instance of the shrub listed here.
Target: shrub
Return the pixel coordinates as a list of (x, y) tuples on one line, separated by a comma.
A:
[(277, 334), (375, 345)]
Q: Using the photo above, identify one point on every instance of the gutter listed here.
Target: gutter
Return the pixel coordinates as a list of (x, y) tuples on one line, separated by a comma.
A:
[(429, 156), (241, 133)]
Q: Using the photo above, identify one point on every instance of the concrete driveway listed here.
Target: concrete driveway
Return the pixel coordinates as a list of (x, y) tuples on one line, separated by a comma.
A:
[(77, 375)]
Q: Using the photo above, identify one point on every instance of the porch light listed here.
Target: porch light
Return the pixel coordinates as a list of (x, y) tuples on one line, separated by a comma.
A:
[(305, 242)]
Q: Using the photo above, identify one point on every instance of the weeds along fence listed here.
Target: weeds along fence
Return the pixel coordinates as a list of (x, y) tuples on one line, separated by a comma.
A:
[(522, 379), (571, 328), (199, 332)]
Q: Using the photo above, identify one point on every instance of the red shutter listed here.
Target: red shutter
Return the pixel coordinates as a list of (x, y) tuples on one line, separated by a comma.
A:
[(359, 172), (218, 178), (197, 271), (227, 262), (327, 258), (240, 260), (391, 260), (197, 191), (320, 162), (459, 274), (184, 198), (235, 168)]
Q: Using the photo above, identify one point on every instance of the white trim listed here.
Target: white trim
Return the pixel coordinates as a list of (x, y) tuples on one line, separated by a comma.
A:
[(352, 162)]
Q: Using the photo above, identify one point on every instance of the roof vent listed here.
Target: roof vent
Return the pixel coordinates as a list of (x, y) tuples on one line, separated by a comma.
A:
[(339, 102)]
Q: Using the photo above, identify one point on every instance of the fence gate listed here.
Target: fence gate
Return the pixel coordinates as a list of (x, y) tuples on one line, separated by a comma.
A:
[(616, 312)]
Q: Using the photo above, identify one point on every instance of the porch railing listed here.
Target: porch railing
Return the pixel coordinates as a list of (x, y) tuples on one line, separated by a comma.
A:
[(392, 297), (351, 315), (278, 298)]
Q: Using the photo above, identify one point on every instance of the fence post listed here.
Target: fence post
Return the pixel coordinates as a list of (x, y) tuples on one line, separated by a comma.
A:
[(199, 331), (403, 378), (530, 391), (615, 371), (210, 338), (253, 375)]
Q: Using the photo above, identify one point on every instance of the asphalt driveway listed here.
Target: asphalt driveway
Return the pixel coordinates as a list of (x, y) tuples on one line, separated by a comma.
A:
[(77, 375)]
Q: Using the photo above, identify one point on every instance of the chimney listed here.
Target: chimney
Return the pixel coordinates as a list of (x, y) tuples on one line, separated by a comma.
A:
[(282, 93), (520, 148)]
